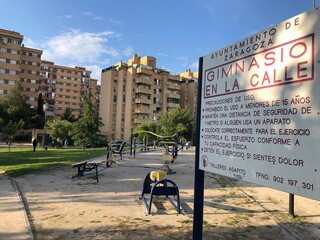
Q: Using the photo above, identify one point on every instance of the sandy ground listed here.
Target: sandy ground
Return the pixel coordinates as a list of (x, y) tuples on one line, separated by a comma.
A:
[(80, 208)]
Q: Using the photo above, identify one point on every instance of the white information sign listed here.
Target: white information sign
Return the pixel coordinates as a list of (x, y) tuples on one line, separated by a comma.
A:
[(260, 108)]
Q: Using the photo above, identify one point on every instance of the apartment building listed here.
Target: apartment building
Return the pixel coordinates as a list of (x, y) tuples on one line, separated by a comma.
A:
[(189, 91), (19, 64), (61, 86), (135, 92)]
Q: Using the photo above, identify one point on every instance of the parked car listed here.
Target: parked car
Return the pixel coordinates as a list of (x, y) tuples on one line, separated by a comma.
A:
[(139, 144)]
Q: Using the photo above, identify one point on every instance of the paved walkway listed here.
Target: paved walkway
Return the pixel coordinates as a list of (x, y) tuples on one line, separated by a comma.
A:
[(14, 223), (74, 218)]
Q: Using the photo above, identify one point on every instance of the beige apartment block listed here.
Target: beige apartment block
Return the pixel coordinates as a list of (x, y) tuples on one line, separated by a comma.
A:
[(64, 87), (60, 86), (189, 91), (30, 60), (135, 92)]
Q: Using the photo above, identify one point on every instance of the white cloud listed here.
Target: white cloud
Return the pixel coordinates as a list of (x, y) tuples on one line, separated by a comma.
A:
[(93, 16), (194, 66), (66, 16), (128, 51), (28, 42), (78, 46), (86, 49), (160, 54), (96, 72)]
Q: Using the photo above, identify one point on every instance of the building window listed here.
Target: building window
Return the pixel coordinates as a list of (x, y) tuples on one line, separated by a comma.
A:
[(12, 82), (13, 51), (2, 60), (13, 62), (33, 81), (4, 40), (1, 91), (12, 72), (2, 70), (1, 81)]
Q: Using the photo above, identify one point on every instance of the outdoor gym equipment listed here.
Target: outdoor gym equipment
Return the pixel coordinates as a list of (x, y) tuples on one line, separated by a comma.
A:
[(111, 153), (160, 140), (156, 184), (85, 166), (170, 143)]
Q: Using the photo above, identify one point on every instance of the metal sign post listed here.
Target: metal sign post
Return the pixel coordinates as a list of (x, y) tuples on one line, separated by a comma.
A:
[(199, 174), (259, 111)]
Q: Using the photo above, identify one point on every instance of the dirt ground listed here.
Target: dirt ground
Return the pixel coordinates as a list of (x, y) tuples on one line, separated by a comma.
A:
[(80, 208)]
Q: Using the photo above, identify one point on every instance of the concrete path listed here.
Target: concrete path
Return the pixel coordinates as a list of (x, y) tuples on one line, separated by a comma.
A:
[(14, 223)]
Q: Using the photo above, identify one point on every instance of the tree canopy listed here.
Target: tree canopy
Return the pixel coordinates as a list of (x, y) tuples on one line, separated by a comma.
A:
[(67, 115), (14, 106), (147, 126), (178, 121), (11, 129), (59, 129), (86, 129)]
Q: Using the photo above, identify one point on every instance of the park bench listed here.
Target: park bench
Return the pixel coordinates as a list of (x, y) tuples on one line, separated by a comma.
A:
[(156, 184), (86, 166)]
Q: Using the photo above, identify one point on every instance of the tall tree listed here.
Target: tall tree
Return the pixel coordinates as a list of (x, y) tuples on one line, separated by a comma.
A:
[(11, 129), (148, 126), (67, 115), (2, 123), (59, 130), (14, 106), (178, 121), (40, 109), (86, 129)]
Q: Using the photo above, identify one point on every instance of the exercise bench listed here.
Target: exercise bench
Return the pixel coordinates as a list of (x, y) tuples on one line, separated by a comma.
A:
[(112, 152), (85, 166), (156, 184)]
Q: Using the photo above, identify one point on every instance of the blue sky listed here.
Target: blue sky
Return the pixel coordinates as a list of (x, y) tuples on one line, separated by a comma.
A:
[(98, 33)]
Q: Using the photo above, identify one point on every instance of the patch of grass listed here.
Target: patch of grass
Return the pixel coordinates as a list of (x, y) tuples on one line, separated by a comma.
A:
[(221, 199), (244, 217), (265, 218), (95, 221), (208, 225), (186, 221), (232, 221), (288, 219), (21, 161), (141, 220)]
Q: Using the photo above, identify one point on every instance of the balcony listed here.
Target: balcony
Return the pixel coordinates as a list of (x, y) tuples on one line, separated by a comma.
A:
[(173, 105), (142, 100), (141, 79), (142, 110), (144, 70), (173, 85), (173, 95), (138, 121), (143, 90)]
